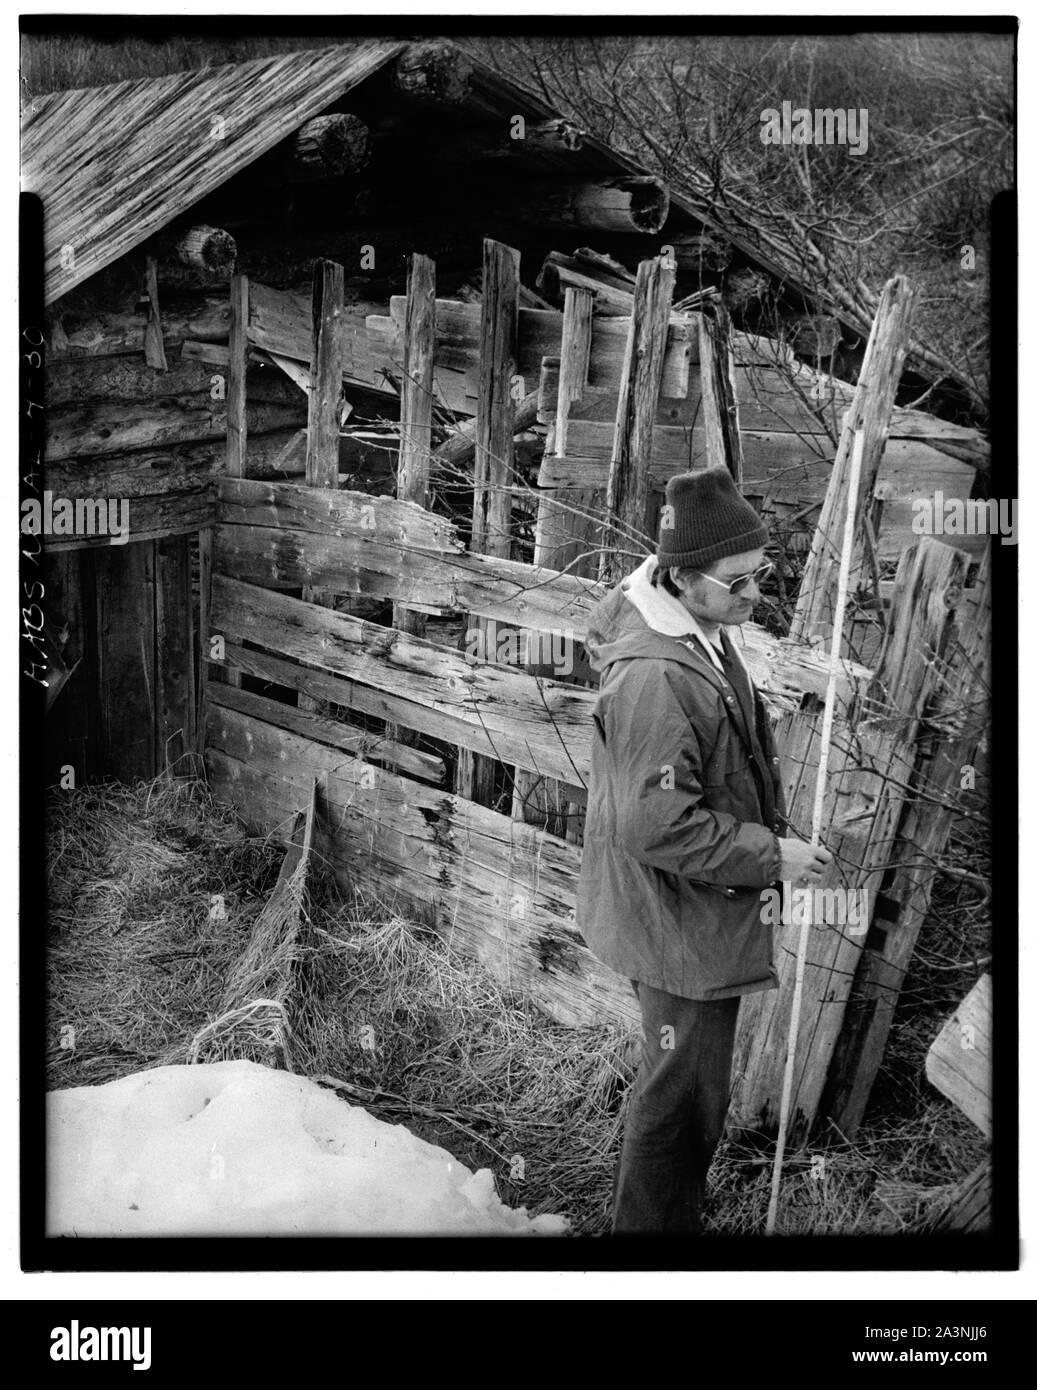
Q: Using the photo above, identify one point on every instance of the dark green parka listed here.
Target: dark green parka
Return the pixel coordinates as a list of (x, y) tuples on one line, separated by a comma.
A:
[(684, 807)]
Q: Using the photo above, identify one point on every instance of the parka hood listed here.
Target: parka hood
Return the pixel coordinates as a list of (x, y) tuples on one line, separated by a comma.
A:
[(638, 619)]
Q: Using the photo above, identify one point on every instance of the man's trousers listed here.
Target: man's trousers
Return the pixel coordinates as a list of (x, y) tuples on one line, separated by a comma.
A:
[(675, 1115)]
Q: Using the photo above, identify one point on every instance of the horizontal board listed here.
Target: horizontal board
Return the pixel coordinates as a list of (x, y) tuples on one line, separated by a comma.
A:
[(334, 512), (431, 583), (496, 890), (538, 724), (337, 733)]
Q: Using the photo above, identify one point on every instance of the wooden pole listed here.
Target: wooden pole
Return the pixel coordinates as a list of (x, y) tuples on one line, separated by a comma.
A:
[(819, 804), (326, 375), (416, 401), (416, 394), (870, 411), (237, 364), (719, 398), (537, 798), (325, 410), (639, 386), (237, 426), (494, 443), (494, 449)]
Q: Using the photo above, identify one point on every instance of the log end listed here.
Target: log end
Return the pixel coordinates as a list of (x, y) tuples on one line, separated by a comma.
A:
[(433, 73), (331, 146), (209, 249), (649, 203), (635, 204)]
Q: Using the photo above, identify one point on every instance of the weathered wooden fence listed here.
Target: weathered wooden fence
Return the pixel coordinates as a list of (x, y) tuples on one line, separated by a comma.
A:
[(389, 715)]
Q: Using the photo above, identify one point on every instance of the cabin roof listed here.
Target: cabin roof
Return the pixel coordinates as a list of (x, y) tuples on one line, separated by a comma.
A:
[(113, 165)]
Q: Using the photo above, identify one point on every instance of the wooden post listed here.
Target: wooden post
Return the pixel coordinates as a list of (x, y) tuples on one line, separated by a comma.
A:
[(205, 548), (870, 411), (175, 697), (325, 411), (494, 444), (538, 798), (416, 401), (237, 365), (961, 710), (419, 343), (237, 402), (719, 398), (494, 449), (641, 378), (326, 375)]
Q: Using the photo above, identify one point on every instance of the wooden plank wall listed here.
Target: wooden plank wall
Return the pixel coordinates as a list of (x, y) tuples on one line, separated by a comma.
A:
[(129, 708)]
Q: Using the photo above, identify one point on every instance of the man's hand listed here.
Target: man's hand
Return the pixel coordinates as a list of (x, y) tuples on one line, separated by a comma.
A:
[(802, 862)]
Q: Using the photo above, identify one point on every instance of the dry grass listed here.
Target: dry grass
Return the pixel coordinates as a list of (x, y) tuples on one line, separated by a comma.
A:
[(377, 1006), (416, 1035), (134, 959)]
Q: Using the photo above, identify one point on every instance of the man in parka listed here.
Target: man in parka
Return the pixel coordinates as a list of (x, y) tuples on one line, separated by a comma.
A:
[(683, 833)]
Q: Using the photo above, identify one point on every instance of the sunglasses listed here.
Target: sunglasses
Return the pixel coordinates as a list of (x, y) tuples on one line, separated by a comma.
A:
[(736, 586)]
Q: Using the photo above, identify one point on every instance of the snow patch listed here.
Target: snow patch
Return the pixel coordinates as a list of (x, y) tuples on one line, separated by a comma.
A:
[(235, 1148)]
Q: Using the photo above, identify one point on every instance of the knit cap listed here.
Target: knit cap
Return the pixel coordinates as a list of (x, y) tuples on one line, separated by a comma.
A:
[(705, 518)]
